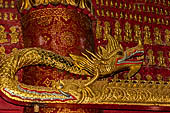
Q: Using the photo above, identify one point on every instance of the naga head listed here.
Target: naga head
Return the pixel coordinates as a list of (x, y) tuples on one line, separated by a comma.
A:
[(133, 55)]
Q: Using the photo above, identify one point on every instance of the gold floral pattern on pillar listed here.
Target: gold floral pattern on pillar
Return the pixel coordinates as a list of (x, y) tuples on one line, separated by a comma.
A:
[(128, 32)]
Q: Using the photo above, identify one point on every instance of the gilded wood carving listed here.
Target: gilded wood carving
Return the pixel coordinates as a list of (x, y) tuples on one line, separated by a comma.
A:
[(110, 59)]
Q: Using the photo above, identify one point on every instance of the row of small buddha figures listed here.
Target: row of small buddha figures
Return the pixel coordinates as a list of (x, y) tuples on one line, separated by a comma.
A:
[(157, 60), (135, 17), (13, 34), (137, 6), (136, 29), (7, 4), (147, 77), (8, 16)]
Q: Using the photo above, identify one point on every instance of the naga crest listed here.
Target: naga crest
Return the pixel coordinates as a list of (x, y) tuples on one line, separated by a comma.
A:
[(112, 58)]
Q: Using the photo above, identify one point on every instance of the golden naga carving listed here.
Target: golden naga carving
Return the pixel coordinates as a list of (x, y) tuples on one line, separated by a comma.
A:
[(110, 59)]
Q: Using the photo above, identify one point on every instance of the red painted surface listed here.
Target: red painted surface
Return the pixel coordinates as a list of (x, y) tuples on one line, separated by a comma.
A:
[(70, 33), (6, 107)]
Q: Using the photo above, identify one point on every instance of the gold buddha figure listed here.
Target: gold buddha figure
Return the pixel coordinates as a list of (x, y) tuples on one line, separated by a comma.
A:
[(167, 37), (98, 30), (3, 35), (161, 59), (14, 35), (128, 32), (147, 35), (151, 57), (117, 31), (137, 31), (157, 36)]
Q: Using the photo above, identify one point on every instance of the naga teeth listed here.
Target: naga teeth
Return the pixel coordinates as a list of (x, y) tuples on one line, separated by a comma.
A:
[(140, 58)]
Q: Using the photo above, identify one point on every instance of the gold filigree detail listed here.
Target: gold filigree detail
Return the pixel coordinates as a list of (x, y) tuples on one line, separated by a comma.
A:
[(47, 82), (67, 39)]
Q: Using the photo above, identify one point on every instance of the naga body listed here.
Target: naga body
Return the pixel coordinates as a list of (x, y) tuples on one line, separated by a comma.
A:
[(107, 61)]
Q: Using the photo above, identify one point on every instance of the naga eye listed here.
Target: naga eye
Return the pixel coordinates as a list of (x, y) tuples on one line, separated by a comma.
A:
[(119, 53)]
